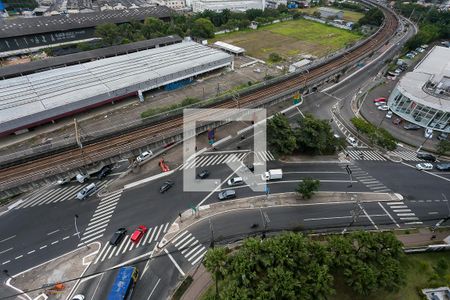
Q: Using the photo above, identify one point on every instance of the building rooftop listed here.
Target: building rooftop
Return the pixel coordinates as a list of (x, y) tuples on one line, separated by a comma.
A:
[(27, 26), (429, 82), (229, 47), (60, 90), (329, 9), (84, 56)]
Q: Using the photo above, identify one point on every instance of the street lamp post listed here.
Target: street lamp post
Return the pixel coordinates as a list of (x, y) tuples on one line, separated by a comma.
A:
[(77, 231)]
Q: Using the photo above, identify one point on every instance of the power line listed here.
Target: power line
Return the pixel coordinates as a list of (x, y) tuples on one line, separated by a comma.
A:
[(226, 240)]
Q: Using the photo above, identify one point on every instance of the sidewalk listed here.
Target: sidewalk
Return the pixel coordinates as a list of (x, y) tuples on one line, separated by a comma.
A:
[(201, 281)]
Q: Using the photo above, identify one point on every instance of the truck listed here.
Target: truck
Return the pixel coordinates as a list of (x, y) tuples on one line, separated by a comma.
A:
[(274, 174)]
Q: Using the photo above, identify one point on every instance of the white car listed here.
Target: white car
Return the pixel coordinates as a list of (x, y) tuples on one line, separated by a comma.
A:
[(389, 114), (144, 155), (235, 181), (424, 166), (380, 103), (383, 107), (428, 133), (78, 297), (352, 141)]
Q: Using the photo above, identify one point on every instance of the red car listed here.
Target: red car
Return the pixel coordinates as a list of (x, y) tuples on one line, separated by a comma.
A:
[(138, 233), (379, 100)]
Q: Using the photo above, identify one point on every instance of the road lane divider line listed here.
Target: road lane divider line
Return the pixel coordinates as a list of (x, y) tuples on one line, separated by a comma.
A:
[(154, 288), (387, 213), (174, 262), (368, 217)]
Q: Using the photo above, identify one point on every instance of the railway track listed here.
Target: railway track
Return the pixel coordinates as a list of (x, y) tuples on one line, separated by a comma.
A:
[(71, 159)]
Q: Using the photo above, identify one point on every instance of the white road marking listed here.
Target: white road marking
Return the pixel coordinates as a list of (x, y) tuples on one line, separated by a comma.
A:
[(19, 257), (45, 246), (4, 251), (30, 252), (126, 246), (401, 210), (393, 220), (124, 241), (159, 231), (8, 238), (183, 246), (367, 215), (192, 250), (65, 238), (433, 213), (55, 242), (406, 214), (5, 262), (178, 237), (190, 247), (154, 288), (174, 262), (181, 241), (395, 203)]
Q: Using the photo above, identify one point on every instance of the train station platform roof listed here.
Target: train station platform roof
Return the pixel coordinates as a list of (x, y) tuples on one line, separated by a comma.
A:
[(38, 98)]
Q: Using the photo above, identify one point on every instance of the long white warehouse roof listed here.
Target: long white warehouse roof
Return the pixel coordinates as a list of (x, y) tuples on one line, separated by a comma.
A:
[(32, 98)]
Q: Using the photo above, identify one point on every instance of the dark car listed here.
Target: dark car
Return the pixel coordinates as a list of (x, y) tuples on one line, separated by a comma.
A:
[(397, 121), (104, 172), (426, 156), (203, 174), (443, 167), (443, 136), (228, 194), (118, 236), (411, 127), (166, 186)]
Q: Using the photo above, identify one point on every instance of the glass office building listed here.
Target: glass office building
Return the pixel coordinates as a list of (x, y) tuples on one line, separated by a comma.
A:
[(422, 96)]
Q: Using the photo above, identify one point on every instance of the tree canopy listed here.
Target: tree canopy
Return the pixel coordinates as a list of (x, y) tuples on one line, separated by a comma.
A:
[(203, 28), (373, 17), (293, 266), (280, 136), (368, 261), (288, 266)]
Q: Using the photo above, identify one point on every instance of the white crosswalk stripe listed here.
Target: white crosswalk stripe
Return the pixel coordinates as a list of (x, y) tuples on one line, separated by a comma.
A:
[(126, 245), (404, 213), (56, 194), (189, 247), (365, 155), (370, 182), (100, 219), (406, 155), (217, 159)]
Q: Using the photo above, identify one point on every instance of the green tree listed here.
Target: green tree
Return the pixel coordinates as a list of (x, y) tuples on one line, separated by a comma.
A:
[(373, 17), (215, 262), (368, 261), (443, 147), (109, 33), (280, 138), (288, 266), (275, 57), (308, 187), (203, 28), (315, 136)]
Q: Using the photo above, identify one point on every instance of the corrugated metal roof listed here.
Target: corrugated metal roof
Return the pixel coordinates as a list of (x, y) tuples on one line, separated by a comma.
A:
[(16, 70), (27, 26), (39, 96), (229, 47)]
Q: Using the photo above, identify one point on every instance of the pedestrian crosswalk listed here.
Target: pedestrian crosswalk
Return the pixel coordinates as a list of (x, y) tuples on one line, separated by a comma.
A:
[(100, 219), (406, 155), (153, 235), (406, 216), (57, 194), (365, 155), (190, 247), (369, 181), (375, 155), (346, 132), (222, 158)]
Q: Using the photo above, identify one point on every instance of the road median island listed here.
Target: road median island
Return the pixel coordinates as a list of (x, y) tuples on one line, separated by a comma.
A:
[(189, 218), (56, 278)]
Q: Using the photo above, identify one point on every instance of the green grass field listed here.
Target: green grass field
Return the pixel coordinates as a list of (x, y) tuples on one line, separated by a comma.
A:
[(349, 15), (290, 38)]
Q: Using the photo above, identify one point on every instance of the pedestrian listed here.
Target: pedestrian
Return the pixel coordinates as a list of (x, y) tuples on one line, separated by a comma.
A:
[(179, 215)]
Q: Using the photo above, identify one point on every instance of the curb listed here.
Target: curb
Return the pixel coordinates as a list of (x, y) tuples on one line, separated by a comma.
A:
[(245, 203)]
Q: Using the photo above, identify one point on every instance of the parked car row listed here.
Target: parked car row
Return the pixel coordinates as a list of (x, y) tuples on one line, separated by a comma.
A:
[(429, 166)]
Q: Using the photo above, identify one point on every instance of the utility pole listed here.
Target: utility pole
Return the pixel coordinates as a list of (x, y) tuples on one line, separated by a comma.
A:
[(265, 220), (78, 232), (349, 172), (211, 244), (355, 212), (77, 134)]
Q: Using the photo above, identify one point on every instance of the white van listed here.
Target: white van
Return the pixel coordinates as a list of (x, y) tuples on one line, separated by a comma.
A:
[(81, 178), (87, 191)]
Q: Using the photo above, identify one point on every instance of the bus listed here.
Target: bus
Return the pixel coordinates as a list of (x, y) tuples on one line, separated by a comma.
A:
[(124, 283)]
